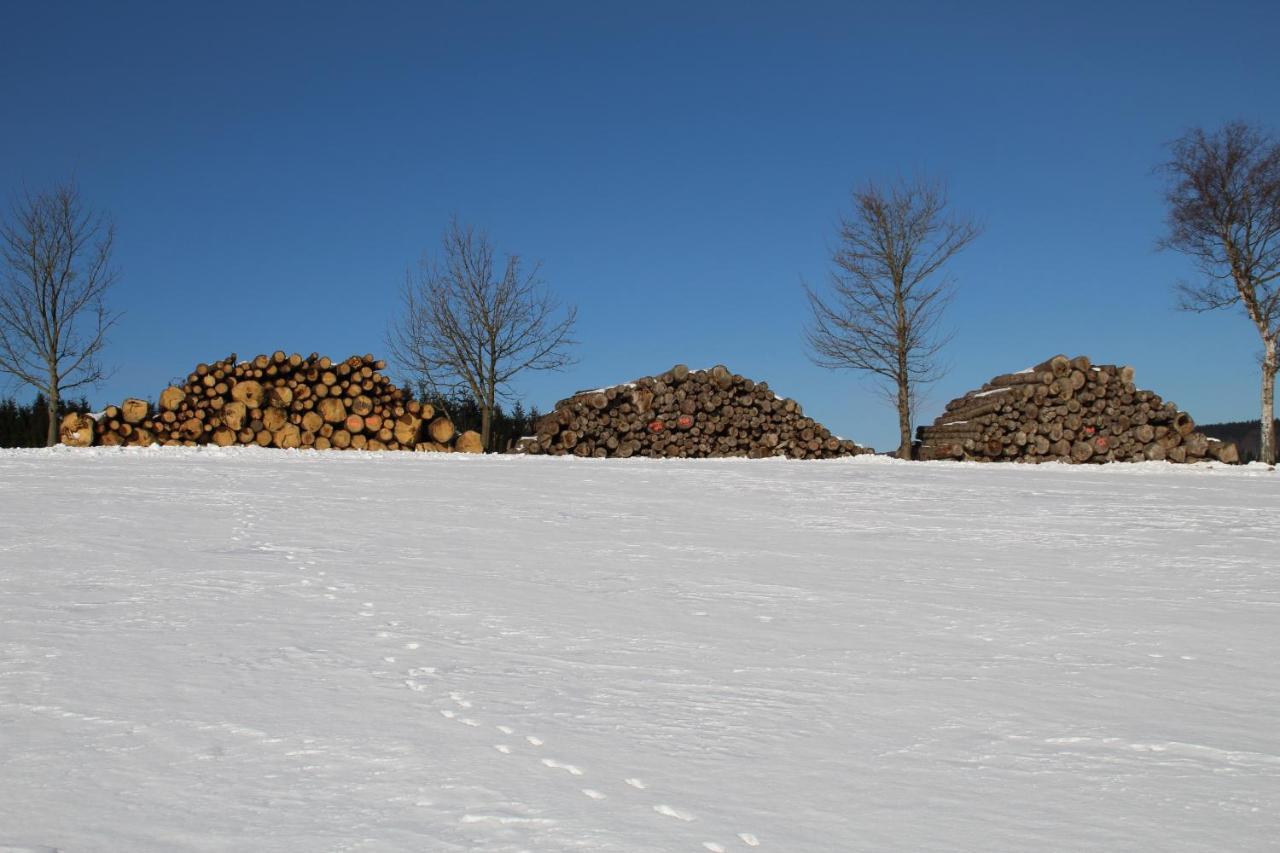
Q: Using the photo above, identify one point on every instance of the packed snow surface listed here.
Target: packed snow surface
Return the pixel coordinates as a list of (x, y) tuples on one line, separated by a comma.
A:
[(253, 650)]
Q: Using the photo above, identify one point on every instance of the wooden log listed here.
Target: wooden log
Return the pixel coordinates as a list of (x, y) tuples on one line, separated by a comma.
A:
[(407, 429), (1031, 377), (133, 410), (1059, 365), (274, 419), (287, 437), (312, 421), (77, 430), (469, 442), (280, 396), (250, 392), (441, 430), (172, 398), (332, 410)]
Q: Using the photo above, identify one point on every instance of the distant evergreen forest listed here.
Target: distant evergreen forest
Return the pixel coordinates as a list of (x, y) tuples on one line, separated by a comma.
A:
[(26, 426), (1247, 436)]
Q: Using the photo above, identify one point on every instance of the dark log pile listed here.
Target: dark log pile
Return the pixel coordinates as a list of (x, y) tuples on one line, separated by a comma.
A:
[(1067, 410), (685, 414), (278, 400)]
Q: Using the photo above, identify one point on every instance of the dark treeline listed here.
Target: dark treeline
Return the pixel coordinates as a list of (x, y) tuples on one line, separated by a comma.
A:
[(27, 426), (466, 415), (1246, 435)]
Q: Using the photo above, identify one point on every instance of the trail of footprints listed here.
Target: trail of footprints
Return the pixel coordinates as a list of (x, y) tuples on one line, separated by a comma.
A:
[(462, 706), (460, 713)]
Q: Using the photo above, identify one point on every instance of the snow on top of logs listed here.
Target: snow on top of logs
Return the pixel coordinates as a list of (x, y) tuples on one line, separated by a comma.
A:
[(991, 391)]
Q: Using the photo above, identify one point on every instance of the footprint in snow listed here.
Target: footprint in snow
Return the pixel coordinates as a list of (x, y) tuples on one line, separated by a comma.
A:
[(678, 814), (713, 847), (748, 839), (636, 783), (593, 794), (533, 741), (503, 748), (506, 730), (559, 765)]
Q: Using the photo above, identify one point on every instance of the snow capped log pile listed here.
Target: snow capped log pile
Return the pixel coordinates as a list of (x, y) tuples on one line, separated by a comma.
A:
[(1067, 410), (277, 400), (685, 414)]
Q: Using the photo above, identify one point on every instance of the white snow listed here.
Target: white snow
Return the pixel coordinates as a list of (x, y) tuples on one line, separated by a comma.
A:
[(264, 650), (989, 393)]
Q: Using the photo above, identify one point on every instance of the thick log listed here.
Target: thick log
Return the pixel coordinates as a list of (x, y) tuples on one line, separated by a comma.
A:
[(134, 410), (250, 392), (441, 430), (332, 410), (408, 427), (469, 442), (172, 398), (77, 430)]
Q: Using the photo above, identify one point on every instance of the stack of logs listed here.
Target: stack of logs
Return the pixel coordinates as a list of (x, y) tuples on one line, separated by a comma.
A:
[(277, 400), (685, 414), (1067, 410)]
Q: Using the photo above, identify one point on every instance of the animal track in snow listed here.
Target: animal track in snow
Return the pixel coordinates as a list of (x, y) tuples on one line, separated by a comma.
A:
[(560, 765), (503, 748), (533, 741), (636, 783), (412, 645), (713, 847), (458, 700), (593, 794), (678, 814), (748, 839)]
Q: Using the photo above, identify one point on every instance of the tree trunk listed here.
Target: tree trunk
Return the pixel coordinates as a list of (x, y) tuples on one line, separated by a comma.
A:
[(51, 435), (904, 420), (1267, 453)]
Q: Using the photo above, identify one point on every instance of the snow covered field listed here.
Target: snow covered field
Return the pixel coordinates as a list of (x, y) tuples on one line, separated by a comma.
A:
[(262, 650)]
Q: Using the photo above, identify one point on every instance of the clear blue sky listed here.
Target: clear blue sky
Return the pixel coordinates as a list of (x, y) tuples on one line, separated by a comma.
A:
[(275, 168)]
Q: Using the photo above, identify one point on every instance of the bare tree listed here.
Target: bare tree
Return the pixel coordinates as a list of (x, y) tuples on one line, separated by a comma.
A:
[(469, 327), (887, 292), (1224, 212), (55, 270)]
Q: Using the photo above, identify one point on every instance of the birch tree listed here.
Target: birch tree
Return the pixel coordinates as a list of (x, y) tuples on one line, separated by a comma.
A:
[(1223, 196)]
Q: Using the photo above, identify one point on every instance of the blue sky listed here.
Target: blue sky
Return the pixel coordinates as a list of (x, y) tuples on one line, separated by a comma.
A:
[(678, 169)]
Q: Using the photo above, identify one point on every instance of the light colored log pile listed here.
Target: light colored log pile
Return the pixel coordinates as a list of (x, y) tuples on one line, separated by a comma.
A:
[(278, 400), (685, 414), (1067, 410)]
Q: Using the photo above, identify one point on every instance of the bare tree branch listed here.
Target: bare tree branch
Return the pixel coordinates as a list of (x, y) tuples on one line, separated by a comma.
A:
[(466, 328), (55, 272), (1223, 196), (887, 295)]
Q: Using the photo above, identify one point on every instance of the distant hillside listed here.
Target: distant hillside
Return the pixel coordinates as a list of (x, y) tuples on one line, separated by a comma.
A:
[(1245, 434)]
